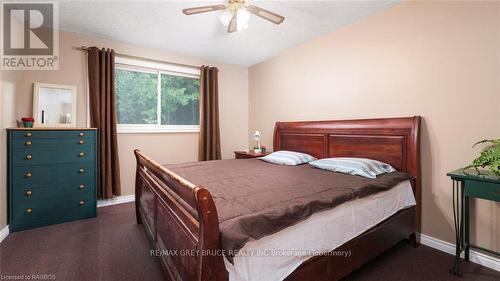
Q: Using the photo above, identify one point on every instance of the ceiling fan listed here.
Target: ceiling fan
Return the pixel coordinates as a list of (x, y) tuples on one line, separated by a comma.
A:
[(236, 14)]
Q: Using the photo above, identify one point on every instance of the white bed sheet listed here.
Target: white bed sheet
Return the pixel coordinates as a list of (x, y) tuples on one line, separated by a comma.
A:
[(274, 257)]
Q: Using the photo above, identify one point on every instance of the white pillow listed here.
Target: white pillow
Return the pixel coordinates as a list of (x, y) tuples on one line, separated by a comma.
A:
[(354, 166), (290, 158)]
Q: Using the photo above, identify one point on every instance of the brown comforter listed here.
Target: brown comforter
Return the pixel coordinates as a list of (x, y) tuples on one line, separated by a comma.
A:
[(255, 198)]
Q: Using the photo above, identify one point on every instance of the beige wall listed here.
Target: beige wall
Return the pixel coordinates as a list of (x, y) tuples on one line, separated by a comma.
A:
[(440, 60), (163, 147), (8, 81)]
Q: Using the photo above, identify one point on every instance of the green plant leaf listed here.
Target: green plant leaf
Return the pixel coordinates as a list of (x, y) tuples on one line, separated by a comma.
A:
[(489, 157)]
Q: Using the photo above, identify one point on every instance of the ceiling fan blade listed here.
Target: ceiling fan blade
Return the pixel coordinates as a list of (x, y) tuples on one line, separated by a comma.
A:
[(204, 9), (265, 14), (232, 25)]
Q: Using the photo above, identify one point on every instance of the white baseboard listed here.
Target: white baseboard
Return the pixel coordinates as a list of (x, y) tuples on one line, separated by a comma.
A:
[(3, 233), (115, 200), (475, 256)]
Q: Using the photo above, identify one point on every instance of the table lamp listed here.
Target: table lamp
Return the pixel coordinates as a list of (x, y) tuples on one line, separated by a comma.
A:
[(256, 136)]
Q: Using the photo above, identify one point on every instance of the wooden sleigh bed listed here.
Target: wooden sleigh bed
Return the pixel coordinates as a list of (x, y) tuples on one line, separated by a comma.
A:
[(178, 215)]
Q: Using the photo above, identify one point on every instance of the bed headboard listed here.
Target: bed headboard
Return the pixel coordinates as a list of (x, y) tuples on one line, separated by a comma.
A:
[(392, 140)]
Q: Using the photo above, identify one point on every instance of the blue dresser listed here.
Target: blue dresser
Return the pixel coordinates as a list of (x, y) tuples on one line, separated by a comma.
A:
[(52, 176)]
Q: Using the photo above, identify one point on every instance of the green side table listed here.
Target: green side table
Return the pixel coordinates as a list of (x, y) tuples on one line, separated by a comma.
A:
[(468, 183)]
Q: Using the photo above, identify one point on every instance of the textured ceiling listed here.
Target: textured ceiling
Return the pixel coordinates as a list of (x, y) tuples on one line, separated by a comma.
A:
[(161, 24)]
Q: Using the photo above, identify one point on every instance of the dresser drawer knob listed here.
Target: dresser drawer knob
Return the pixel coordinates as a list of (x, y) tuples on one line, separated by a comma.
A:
[(82, 203), (81, 142), (28, 157), (28, 143), (81, 171), (82, 186), (28, 135), (29, 174), (28, 211), (81, 154), (28, 193), (81, 134)]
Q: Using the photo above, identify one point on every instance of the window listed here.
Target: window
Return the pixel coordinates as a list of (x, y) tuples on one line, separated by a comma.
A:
[(136, 96), (156, 97)]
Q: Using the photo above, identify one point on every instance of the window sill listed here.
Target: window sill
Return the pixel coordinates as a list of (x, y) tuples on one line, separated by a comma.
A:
[(154, 129)]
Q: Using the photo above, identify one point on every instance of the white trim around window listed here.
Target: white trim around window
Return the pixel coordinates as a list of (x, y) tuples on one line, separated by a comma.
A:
[(162, 66), (148, 129)]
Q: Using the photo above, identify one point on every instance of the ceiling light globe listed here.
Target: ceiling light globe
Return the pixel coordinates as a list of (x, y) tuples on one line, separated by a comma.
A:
[(225, 17), (242, 18)]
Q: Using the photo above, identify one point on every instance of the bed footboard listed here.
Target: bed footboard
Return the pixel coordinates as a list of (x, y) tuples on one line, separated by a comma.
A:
[(181, 221)]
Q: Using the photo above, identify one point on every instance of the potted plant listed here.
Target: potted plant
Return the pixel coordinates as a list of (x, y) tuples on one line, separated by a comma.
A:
[(489, 157), (28, 122)]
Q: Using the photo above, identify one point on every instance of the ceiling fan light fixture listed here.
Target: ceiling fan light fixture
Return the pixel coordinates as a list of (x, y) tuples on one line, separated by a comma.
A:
[(242, 18), (236, 14)]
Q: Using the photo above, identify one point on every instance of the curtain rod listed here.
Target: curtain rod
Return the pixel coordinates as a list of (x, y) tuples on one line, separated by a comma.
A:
[(85, 48)]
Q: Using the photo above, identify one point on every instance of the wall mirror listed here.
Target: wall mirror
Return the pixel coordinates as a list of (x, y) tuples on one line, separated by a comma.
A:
[(54, 105)]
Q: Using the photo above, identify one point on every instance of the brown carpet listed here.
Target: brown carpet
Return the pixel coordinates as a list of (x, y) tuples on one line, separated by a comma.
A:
[(113, 247)]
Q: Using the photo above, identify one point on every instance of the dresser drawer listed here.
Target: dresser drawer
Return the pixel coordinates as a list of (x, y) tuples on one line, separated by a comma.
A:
[(53, 154), (54, 203), (23, 220), (50, 134), (84, 188), (51, 209), (482, 189), (45, 175), (51, 144)]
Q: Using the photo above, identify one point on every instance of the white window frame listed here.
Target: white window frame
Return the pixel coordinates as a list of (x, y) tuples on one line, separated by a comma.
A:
[(157, 68)]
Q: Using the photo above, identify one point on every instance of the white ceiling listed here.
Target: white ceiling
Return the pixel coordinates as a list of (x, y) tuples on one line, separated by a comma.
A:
[(161, 24)]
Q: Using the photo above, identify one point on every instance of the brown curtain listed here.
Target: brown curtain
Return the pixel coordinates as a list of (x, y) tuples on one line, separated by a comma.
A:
[(101, 71), (209, 146)]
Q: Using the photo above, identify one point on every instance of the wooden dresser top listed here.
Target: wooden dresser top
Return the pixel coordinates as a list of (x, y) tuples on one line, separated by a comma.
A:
[(50, 129)]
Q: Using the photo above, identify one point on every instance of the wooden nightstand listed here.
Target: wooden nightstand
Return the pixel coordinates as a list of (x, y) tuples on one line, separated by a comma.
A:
[(469, 184), (248, 154)]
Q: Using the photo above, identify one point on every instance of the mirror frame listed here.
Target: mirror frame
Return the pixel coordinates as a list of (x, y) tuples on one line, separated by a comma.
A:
[(36, 98)]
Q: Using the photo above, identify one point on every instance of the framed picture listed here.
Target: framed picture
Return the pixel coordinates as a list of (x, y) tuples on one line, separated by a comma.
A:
[(54, 105)]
